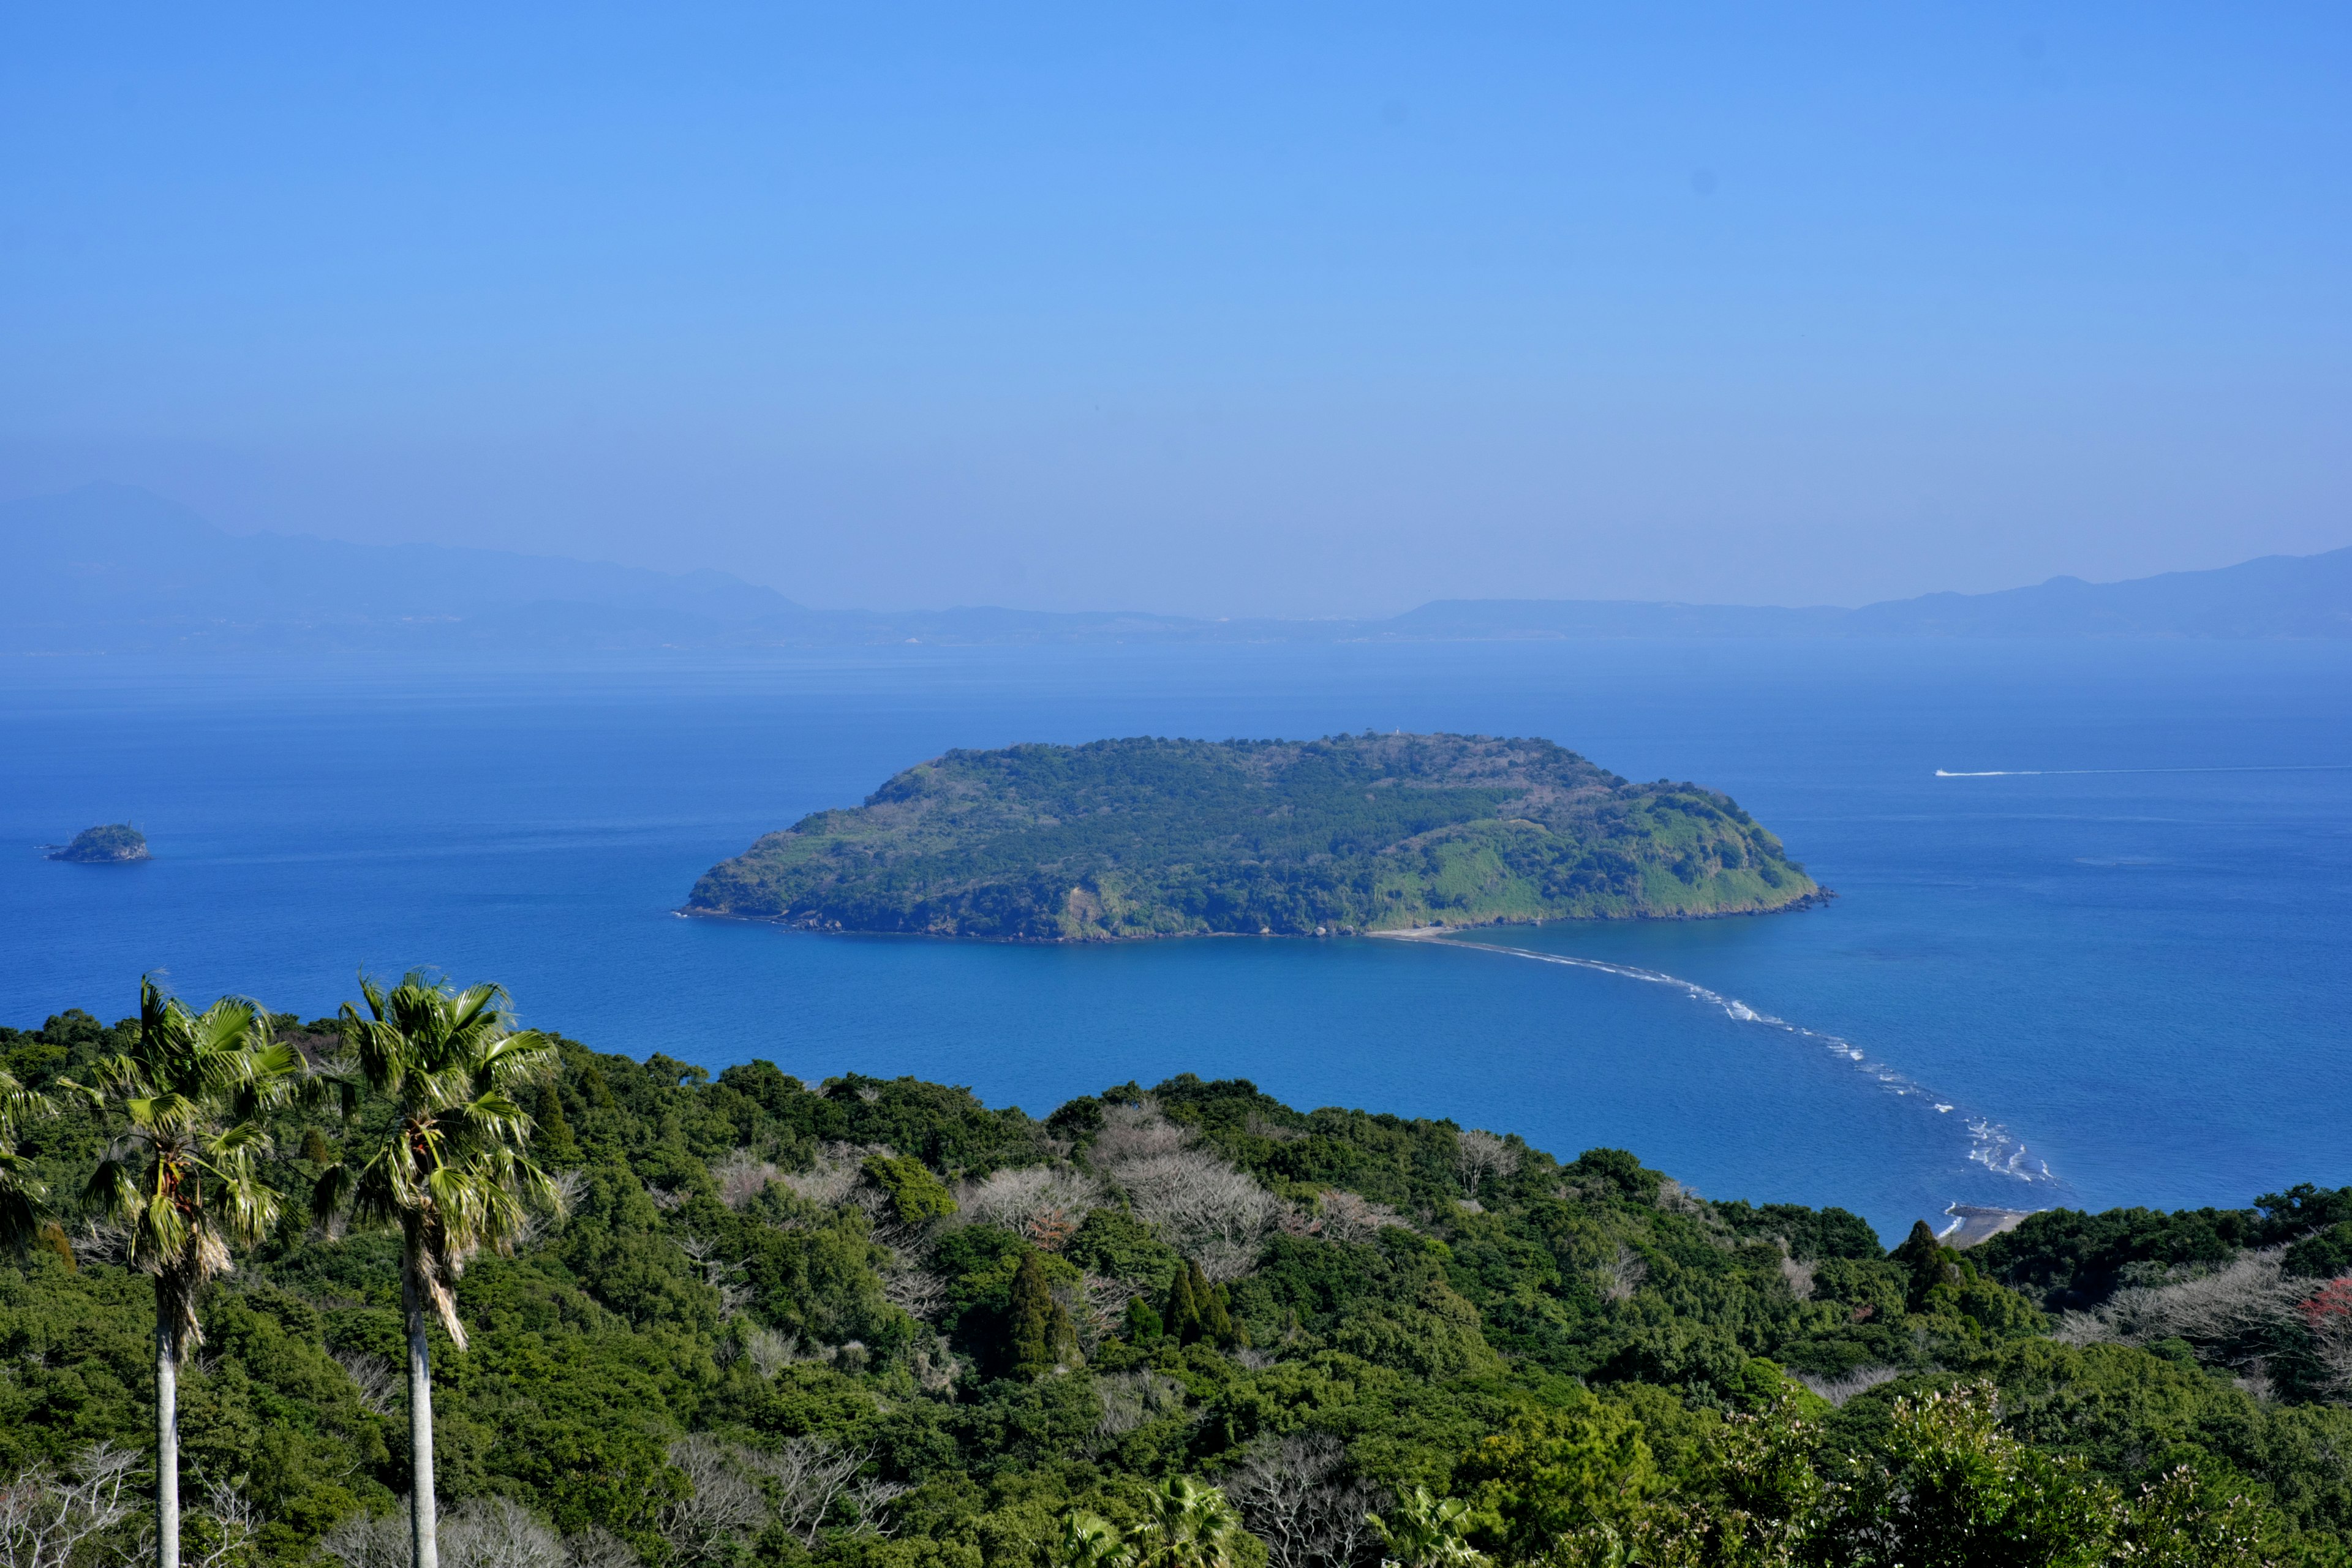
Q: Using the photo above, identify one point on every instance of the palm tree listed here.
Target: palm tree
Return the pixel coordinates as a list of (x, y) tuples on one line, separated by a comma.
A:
[(1091, 1541), (21, 1190), (1185, 1525), (1423, 1532), (181, 1178), (449, 1172)]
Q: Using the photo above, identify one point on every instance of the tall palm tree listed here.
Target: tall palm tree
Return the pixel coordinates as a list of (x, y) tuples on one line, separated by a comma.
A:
[(1423, 1532), (181, 1178), (1185, 1525), (449, 1171), (22, 1192)]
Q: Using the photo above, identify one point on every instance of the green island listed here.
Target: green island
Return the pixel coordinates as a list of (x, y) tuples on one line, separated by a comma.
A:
[(680, 1320), (104, 845), (1149, 838)]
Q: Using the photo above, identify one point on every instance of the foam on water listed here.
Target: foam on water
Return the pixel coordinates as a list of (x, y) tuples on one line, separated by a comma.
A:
[(1991, 1145)]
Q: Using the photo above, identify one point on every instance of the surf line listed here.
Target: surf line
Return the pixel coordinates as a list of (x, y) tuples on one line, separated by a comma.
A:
[(2077, 773), (1991, 1145)]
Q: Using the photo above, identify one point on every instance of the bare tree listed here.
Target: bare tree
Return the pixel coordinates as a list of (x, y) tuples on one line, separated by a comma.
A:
[(1478, 1155), (482, 1532), (1043, 1202), (497, 1533), (1128, 1399), (2229, 1313), (768, 1352), (226, 1526), (360, 1540), (1204, 1208), (1675, 1198), (810, 1475), (2328, 1316), (724, 1505), (375, 1379), (870, 1499), (1861, 1380), (1135, 1131), (741, 1176), (1347, 1216), (1622, 1275), (541, 1222), (101, 1241), (47, 1516), (593, 1548), (934, 1365), (1097, 1305), (1298, 1498), (918, 1292), (833, 1175), (1798, 1277), (717, 1272)]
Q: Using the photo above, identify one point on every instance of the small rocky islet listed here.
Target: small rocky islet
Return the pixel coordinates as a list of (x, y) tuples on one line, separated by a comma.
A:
[(110, 844)]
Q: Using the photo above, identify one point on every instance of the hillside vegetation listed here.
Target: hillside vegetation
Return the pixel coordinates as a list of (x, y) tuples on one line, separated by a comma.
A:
[(1156, 838), (872, 1323)]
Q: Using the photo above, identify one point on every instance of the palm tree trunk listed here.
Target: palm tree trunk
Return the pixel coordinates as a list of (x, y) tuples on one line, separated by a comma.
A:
[(167, 1432), (423, 1544)]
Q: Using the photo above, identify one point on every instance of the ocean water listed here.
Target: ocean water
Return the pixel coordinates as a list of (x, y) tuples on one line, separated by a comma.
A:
[(2105, 965)]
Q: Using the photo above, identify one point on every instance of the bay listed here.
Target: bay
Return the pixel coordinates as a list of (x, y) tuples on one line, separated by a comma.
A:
[(2118, 977)]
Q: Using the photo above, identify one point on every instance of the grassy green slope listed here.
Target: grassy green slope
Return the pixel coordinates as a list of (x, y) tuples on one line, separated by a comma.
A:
[(1154, 837)]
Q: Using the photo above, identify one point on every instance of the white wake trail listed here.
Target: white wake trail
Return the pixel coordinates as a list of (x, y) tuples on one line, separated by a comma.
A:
[(1991, 1146), (2078, 772)]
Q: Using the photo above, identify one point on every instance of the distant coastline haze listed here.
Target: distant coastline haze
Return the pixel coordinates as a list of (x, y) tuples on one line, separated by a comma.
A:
[(108, 569), (1323, 313)]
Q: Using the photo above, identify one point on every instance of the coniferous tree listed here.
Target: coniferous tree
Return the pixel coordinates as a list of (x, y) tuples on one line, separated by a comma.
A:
[(1044, 1337), (553, 1134), (1927, 1261), (1216, 1322), (1182, 1317)]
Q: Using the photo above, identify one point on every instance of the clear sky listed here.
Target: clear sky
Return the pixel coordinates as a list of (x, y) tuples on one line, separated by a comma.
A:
[(1295, 309)]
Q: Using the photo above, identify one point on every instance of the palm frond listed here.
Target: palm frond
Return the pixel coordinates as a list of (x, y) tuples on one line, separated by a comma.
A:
[(22, 1200)]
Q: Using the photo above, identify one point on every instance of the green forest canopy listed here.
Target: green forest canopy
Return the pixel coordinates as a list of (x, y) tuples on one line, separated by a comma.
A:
[(1154, 837), (981, 1321)]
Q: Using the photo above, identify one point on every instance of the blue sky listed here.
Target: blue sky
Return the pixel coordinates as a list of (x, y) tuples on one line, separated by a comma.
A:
[(1298, 309)]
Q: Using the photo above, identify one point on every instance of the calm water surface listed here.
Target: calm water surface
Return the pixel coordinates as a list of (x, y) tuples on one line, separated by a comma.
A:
[(2125, 975)]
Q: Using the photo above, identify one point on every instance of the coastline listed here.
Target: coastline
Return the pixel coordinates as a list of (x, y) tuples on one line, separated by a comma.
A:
[(1973, 1223), (1817, 898)]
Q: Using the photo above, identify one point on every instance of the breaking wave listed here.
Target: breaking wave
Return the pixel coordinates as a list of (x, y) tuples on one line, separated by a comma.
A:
[(1991, 1145)]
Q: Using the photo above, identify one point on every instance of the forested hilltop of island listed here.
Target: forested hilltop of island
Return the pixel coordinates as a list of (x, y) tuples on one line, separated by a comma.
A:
[(750, 1322), (1148, 837)]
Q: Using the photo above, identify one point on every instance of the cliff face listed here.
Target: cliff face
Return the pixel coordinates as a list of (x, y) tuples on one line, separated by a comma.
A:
[(103, 846), (1156, 838)]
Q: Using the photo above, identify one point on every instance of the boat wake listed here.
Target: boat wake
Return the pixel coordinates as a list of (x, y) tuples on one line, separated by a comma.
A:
[(1991, 1145), (2077, 773)]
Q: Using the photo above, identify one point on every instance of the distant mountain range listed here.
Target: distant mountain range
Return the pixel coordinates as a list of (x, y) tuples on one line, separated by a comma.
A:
[(117, 570)]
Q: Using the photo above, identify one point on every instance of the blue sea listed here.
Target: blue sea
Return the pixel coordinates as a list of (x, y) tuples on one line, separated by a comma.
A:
[(2103, 965)]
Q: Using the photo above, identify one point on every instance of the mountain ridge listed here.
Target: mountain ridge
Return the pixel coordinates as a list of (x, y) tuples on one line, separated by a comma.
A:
[(115, 569)]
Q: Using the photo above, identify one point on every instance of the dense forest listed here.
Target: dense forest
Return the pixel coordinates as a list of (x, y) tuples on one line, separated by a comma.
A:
[(1155, 837), (748, 1319)]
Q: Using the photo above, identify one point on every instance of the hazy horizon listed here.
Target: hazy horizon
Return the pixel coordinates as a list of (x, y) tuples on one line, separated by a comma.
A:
[(1328, 313)]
